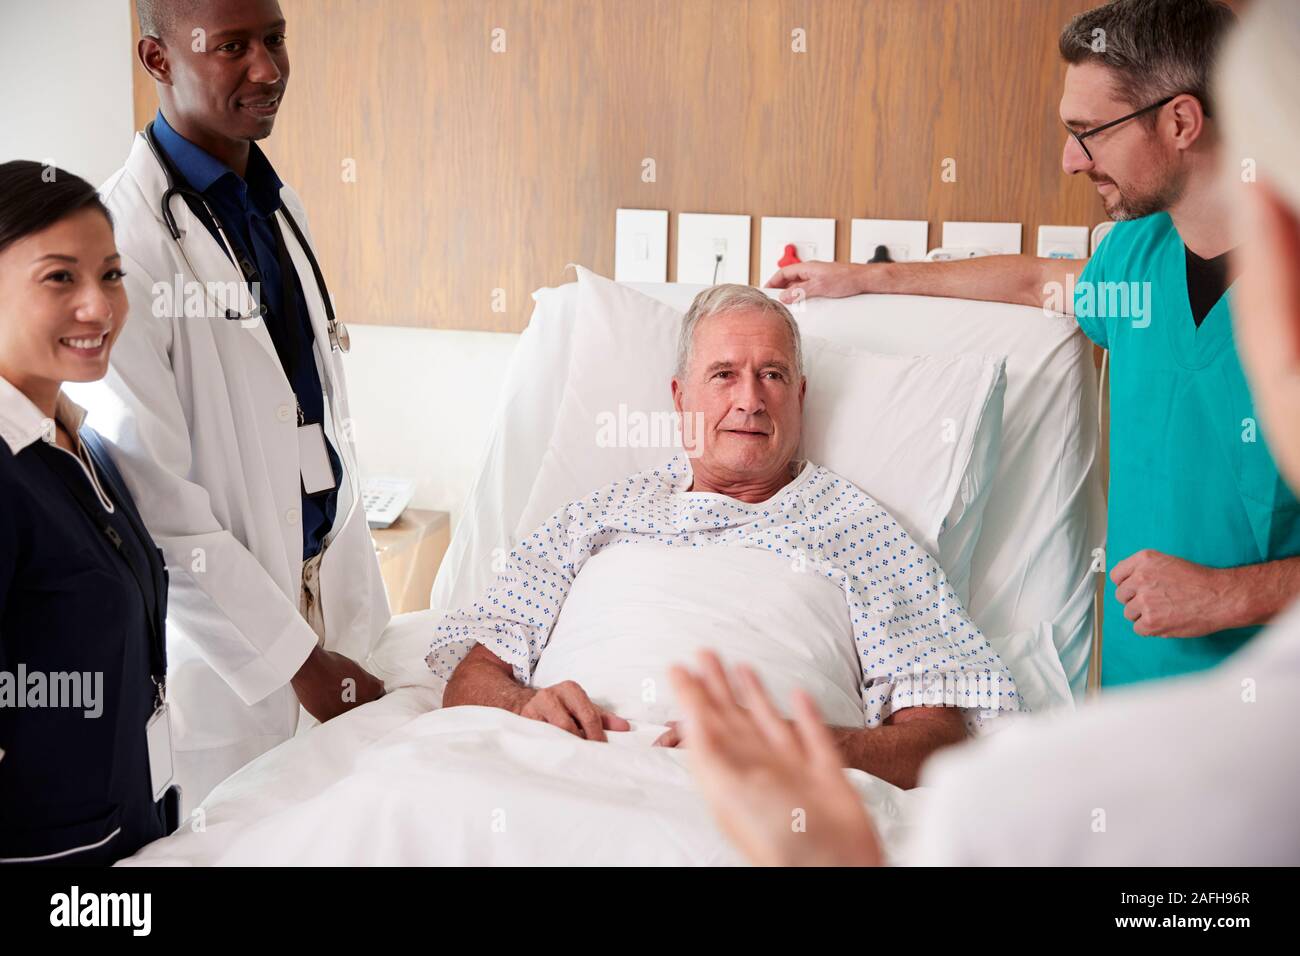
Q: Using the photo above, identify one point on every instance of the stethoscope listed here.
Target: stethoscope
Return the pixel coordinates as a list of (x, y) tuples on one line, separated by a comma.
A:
[(340, 341)]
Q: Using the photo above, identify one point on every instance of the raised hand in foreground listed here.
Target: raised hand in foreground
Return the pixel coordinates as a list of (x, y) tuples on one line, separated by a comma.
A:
[(777, 786)]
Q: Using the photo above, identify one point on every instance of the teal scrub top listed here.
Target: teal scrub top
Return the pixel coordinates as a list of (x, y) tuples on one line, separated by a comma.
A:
[(1190, 472)]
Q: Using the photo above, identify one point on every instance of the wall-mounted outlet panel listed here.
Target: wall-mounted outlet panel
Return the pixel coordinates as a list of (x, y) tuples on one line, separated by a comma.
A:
[(906, 239), (999, 238), (1063, 242), (1099, 233), (812, 239), (704, 237)]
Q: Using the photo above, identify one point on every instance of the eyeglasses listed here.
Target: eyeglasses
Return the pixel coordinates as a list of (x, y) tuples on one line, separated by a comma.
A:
[(1080, 137)]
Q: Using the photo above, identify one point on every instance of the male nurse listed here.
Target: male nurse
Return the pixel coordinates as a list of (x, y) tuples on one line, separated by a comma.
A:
[(1203, 534)]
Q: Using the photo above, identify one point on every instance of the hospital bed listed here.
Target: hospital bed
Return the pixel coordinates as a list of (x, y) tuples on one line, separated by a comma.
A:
[(400, 782)]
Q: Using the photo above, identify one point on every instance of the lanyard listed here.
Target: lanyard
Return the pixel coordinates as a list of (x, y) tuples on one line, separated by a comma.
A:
[(85, 497)]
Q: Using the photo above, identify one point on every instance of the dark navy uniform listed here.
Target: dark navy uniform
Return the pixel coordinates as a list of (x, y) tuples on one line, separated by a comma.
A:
[(83, 591)]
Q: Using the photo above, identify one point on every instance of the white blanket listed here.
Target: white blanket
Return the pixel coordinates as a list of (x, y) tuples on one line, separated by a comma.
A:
[(636, 609), (395, 783), (400, 781)]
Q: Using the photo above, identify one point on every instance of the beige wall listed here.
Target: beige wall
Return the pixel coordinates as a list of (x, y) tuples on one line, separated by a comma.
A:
[(479, 171)]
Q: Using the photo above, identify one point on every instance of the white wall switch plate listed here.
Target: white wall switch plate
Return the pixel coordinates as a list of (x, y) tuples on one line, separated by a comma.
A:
[(906, 239), (999, 238), (812, 239), (1063, 242), (701, 238), (641, 245)]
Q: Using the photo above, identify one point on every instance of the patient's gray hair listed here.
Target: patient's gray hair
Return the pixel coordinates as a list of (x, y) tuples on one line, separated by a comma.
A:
[(721, 299)]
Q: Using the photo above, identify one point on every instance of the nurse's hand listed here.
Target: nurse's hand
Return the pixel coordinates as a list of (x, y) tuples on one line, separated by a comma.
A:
[(1166, 596), (776, 786), (812, 279), (328, 684)]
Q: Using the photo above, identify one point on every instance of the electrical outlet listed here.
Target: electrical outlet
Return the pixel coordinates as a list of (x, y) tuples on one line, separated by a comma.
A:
[(1063, 242), (701, 238), (641, 245), (906, 239), (1099, 233), (812, 239), (999, 238)]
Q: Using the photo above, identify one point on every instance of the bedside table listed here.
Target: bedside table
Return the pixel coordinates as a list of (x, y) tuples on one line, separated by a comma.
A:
[(409, 552)]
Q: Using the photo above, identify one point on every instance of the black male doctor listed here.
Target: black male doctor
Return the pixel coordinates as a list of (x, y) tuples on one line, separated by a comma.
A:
[(226, 398)]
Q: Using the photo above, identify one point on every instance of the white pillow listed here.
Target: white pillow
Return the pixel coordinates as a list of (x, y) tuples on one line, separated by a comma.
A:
[(905, 429), (1040, 678), (965, 522)]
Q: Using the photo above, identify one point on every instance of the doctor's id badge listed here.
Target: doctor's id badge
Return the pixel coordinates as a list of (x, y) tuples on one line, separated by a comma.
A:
[(314, 460)]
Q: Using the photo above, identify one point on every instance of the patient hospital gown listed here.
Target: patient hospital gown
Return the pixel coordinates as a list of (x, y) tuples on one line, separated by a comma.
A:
[(915, 643)]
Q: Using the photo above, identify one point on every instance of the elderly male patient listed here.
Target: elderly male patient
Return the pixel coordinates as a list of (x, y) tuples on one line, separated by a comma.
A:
[(736, 545)]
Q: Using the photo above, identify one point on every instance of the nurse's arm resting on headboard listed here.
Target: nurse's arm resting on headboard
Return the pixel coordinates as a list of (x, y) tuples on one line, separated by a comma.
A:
[(1019, 280)]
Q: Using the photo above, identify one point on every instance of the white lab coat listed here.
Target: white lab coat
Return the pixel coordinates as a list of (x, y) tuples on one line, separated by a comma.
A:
[(205, 423), (1201, 770)]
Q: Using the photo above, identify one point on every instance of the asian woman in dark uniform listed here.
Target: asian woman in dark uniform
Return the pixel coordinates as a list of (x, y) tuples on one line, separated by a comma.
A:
[(85, 752)]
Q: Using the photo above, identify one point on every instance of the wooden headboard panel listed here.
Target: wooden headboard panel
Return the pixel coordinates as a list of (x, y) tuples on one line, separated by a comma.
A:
[(478, 171)]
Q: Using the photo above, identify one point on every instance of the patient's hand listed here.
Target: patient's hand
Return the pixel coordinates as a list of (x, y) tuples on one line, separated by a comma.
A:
[(327, 684), (776, 786), (672, 737), (567, 706), (485, 680)]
